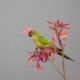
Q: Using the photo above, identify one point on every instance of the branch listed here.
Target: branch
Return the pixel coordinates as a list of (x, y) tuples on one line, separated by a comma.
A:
[(56, 66), (63, 65)]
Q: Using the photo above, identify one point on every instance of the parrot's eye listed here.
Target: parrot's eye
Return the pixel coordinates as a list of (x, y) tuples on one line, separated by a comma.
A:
[(30, 34)]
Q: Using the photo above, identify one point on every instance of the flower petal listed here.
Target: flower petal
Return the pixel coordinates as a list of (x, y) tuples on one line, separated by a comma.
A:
[(48, 21), (42, 57), (27, 30), (31, 59), (38, 67), (64, 35), (52, 27), (54, 38), (47, 50)]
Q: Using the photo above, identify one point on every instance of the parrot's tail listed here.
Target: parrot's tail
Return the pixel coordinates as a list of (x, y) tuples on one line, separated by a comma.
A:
[(65, 56)]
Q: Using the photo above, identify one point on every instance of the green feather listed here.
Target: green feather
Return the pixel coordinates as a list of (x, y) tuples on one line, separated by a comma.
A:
[(44, 40)]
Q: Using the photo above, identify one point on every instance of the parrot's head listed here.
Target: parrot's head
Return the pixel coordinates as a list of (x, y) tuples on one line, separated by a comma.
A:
[(30, 32)]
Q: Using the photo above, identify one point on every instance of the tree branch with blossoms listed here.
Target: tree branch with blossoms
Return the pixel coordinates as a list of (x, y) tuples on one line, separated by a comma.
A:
[(58, 28), (48, 52)]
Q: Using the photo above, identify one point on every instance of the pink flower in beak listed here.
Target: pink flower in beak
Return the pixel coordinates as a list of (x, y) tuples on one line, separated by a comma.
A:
[(27, 30)]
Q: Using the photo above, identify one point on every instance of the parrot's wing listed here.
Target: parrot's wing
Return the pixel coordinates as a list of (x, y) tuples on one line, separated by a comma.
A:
[(43, 40)]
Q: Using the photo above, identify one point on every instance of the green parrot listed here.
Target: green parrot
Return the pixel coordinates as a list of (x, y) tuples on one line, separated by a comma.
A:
[(41, 42)]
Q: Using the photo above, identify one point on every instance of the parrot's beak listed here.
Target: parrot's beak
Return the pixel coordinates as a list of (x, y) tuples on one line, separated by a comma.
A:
[(30, 34)]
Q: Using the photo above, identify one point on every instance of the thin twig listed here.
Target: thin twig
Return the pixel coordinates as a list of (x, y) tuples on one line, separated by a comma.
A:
[(65, 78), (63, 65), (56, 66)]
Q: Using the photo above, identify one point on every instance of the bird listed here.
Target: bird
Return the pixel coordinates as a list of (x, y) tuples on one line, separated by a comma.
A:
[(41, 41)]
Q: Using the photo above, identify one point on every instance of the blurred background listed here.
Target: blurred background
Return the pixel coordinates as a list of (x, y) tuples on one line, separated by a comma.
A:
[(15, 15)]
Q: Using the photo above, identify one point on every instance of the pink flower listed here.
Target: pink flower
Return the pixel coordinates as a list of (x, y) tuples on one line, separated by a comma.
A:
[(63, 35), (47, 51), (27, 30), (38, 67), (42, 57), (61, 24), (58, 24), (32, 59), (58, 27)]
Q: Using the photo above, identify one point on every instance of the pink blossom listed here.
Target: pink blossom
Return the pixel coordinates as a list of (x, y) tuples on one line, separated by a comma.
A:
[(38, 67), (58, 28), (47, 50), (27, 30), (61, 24), (52, 27), (32, 59), (63, 35), (58, 24), (39, 56), (43, 57)]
